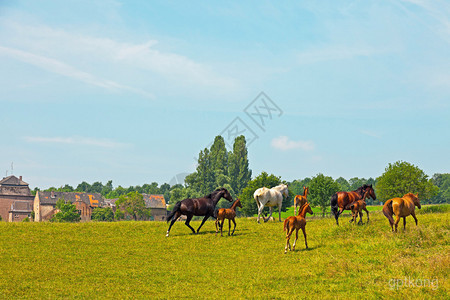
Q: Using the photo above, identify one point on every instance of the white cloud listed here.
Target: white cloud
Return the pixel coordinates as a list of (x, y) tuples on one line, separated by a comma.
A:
[(58, 67), (371, 133), (77, 140), (337, 52), (283, 143), (69, 52)]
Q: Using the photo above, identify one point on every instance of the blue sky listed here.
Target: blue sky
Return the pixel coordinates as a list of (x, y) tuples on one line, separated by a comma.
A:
[(133, 90)]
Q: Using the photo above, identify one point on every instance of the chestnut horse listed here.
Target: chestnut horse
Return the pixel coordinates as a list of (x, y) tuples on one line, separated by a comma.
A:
[(299, 200), (204, 206), (357, 207), (401, 208), (296, 223), (227, 213), (340, 200)]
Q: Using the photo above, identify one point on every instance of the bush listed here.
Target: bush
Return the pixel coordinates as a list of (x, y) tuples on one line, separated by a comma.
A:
[(443, 208), (26, 219)]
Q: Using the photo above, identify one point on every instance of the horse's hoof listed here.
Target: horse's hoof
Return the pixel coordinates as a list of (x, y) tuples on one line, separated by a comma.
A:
[(167, 234)]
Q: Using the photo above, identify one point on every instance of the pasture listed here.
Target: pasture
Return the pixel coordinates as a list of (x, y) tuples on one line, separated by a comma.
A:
[(136, 260)]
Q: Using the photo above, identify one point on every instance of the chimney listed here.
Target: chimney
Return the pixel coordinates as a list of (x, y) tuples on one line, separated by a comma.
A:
[(52, 194), (20, 177)]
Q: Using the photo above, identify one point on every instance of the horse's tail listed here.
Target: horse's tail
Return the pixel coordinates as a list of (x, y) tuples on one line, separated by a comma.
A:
[(257, 200), (334, 204), (174, 210), (388, 211), (286, 225)]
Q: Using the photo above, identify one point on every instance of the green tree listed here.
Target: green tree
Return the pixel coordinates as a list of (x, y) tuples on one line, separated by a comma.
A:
[(249, 206), (402, 177), (321, 189), (297, 185), (133, 204), (103, 214), (442, 181), (343, 184), (238, 166), (67, 212)]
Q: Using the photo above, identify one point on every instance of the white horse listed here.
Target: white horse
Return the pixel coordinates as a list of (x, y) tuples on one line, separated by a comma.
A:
[(270, 198)]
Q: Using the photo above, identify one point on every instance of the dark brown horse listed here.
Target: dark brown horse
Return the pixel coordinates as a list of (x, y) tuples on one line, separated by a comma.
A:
[(341, 200), (204, 206)]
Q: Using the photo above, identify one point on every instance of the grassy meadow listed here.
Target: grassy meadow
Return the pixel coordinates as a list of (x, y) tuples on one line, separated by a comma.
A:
[(136, 260)]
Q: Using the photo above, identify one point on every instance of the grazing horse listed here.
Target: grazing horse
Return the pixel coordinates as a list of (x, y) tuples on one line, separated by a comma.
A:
[(296, 223), (299, 200), (270, 198), (357, 207), (204, 206), (341, 200), (227, 213), (401, 208)]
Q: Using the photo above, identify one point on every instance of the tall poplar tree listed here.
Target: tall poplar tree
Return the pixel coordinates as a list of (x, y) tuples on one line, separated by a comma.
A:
[(238, 167)]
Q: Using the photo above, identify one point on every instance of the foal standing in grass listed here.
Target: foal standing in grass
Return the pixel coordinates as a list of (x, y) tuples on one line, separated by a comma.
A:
[(296, 223), (227, 213), (300, 200)]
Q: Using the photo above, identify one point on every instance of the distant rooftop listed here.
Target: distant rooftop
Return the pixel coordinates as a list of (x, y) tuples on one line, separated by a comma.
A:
[(13, 181)]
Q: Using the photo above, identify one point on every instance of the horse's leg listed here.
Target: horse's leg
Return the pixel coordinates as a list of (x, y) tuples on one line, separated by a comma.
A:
[(279, 212), (296, 238), (229, 226), (367, 212), (260, 210), (360, 218), (221, 227), (175, 217), (217, 230), (188, 220), (203, 222), (404, 223), (396, 222), (336, 216), (270, 215), (234, 222), (288, 245), (288, 237), (304, 234), (413, 214)]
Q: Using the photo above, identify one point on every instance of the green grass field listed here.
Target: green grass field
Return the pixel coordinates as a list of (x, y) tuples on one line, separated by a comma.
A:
[(136, 260)]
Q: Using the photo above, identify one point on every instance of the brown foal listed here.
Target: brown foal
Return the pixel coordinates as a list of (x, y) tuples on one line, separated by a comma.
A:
[(227, 213), (296, 223)]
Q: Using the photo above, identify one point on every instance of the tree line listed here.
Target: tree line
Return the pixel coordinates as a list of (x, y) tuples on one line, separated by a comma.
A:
[(218, 167)]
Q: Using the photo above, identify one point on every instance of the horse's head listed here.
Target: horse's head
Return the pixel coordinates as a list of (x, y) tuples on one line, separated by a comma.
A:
[(308, 209), (226, 194), (305, 191), (283, 190), (371, 193), (238, 203), (415, 199)]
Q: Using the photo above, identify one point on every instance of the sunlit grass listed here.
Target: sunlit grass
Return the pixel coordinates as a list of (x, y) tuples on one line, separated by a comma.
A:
[(136, 260)]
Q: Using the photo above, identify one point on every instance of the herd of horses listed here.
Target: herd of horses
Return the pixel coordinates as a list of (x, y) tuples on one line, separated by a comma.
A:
[(273, 197)]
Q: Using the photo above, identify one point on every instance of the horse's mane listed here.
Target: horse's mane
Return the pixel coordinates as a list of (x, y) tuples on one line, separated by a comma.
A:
[(361, 190), (214, 193), (410, 195), (300, 210)]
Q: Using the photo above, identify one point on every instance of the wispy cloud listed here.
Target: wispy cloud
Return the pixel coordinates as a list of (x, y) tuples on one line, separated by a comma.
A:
[(67, 53), (61, 68), (77, 140), (337, 52), (283, 143), (371, 134)]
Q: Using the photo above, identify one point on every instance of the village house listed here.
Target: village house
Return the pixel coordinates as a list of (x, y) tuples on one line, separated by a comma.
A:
[(157, 205), (16, 200), (45, 204)]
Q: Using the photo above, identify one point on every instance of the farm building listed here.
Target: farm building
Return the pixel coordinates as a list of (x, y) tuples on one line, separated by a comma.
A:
[(157, 205), (16, 200), (45, 204)]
